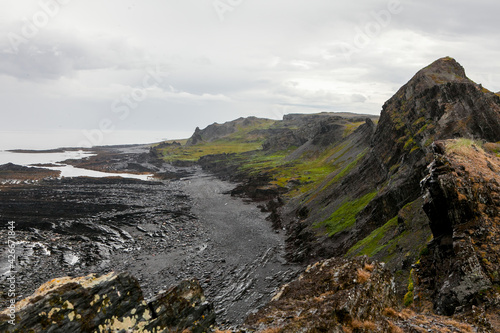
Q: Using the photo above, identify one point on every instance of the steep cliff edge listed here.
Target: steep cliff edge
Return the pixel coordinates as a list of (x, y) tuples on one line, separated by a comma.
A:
[(439, 102), (460, 270)]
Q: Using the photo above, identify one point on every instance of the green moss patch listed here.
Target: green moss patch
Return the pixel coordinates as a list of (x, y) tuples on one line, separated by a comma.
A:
[(408, 299), (345, 216), (373, 243)]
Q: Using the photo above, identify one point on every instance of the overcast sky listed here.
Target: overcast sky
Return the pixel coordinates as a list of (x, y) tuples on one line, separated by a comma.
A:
[(165, 65)]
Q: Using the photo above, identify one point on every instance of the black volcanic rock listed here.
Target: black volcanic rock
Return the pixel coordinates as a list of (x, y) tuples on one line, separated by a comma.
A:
[(16, 172), (462, 200), (196, 137)]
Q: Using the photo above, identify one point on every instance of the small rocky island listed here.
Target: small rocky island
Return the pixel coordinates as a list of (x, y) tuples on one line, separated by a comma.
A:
[(331, 222)]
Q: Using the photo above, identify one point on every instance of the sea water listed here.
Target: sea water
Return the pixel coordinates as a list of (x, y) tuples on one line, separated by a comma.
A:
[(56, 161)]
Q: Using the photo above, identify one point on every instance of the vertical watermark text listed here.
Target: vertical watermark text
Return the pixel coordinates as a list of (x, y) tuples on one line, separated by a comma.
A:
[(11, 273)]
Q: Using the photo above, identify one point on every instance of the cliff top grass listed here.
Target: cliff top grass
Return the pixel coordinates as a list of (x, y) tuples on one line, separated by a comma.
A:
[(463, 146), (466, 147)]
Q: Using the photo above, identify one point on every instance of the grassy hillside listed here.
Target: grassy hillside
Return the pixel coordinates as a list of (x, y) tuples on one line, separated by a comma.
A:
[(246, 138), (297, 170)]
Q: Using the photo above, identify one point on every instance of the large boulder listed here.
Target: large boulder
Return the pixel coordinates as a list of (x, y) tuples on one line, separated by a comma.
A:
[(110, 303), (347, 295)]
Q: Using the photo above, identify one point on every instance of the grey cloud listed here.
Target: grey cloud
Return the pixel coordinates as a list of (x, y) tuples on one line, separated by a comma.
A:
[(51, 56), (358, 98), (264, 59)]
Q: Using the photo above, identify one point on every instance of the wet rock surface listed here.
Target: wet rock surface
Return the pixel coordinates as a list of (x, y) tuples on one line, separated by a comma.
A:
[(16, 174), (245, 253), (161, 232)]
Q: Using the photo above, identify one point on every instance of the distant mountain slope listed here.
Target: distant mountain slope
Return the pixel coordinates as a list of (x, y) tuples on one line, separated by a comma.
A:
[(217, 131)]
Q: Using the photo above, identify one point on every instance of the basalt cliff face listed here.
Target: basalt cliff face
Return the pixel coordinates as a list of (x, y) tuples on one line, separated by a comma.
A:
[(460, 270), (439, 102), (425, 200)]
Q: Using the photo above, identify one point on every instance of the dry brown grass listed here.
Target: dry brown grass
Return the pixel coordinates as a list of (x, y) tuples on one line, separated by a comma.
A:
[(394, 329), (423, 320), (463, 327), (407, 314), (367, 325), (363, 275), (369, 267), (390, 312), (346, 329)]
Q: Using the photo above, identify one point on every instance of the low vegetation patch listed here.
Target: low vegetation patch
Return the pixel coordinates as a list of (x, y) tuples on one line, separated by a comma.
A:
[(463, 146), (408, 299), (493, 148), (373, 243), (345, 216), (193, 153)]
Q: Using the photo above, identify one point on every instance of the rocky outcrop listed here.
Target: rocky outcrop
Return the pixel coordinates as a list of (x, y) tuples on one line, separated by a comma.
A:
[(108, 303), (330, 295), (439, 102), (460, 270), (13, 174), (218, 131), (305, 131), (341, 295)]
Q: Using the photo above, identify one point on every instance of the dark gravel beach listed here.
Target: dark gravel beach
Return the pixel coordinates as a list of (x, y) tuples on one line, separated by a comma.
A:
[(160, 231)]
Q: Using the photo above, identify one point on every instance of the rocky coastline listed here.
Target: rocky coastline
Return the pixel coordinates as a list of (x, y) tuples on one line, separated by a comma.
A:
[(182, 225)]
